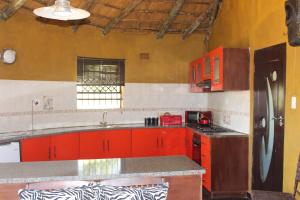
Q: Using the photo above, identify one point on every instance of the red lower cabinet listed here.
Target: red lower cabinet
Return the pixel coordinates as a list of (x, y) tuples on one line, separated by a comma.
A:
[(35, 149), (105, 144), (189, 149), (158, 142), (58, 147), (65, 147), (92, 145), (206, 161), (145, 142)]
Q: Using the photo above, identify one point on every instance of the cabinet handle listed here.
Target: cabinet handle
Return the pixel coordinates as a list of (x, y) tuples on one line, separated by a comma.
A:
[(107, 145), (157, 142), (103, 145), (54, 151), (49, 153)]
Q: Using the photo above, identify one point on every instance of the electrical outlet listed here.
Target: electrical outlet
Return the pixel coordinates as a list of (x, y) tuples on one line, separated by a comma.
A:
[(47, 103)]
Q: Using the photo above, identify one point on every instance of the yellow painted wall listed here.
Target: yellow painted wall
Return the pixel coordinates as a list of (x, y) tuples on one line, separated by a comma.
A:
[(262, 24), (48, 52)]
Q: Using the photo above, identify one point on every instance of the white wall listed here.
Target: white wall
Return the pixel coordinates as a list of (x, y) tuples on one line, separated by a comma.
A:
[(231, 109), (140, 101)]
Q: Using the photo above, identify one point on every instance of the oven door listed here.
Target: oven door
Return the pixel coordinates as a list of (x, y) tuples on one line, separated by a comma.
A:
[(196, 149)]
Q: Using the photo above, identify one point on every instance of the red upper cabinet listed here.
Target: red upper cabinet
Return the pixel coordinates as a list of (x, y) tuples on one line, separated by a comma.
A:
[(92, 145), (229, 69), (193, 76), (217, 67), (35, 149), (206, 67), (65, 146), (105, 144)]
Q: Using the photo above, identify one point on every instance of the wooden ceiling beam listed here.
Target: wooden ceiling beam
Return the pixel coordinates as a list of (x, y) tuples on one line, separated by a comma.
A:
[(167, 23), (88, 4), (11, 8), (211, 9), (123, 14), (201, 2)]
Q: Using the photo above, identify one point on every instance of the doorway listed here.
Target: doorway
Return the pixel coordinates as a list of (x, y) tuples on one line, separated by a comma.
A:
[(268, 123)]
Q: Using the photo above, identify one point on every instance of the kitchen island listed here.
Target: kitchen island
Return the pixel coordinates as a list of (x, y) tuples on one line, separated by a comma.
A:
[(184, 175)]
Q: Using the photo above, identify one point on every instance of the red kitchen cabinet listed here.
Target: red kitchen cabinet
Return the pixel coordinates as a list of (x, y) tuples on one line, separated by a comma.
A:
[(145, 142), (92, 145), (105, 144), (118, 143), (158, 142), (229, 69), (35, 149), (65, 147), (196, 75), (206, 161), (172, 141), (189, 143)]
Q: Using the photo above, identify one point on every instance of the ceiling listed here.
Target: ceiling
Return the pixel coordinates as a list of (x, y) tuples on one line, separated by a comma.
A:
[(160, 16)]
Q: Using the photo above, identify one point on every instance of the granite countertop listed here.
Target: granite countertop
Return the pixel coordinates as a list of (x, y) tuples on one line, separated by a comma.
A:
[(7, 137), (18, 135), (78, 170)]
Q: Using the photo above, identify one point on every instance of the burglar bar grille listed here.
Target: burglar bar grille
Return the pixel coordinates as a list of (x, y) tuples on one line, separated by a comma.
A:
[(99, 83)]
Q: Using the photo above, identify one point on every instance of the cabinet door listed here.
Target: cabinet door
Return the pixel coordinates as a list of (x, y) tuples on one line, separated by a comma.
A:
[(189, 143), (193, 77), (65, 147), (172, 141), (207, 68), (206, 161), (118, 143), (217, 69), (92, 145), (145, 142), (35, 149)]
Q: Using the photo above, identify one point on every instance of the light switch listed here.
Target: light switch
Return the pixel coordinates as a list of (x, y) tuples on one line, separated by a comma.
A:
[(294, 103)]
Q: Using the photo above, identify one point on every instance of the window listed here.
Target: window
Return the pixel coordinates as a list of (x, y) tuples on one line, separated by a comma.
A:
[(99, 83)]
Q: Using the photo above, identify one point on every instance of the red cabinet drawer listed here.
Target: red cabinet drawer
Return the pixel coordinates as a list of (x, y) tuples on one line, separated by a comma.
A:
[(35, 149)]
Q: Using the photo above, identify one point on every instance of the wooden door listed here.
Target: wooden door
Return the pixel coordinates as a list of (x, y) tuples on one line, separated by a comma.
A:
[(65, 147), (145, 142), (35, 149), (269, 100), (172, 141), (118, 143), (217, 69), (92, 145)]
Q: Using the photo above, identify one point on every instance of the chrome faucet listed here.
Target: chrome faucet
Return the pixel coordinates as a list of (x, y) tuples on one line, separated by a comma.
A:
[(104, 116)]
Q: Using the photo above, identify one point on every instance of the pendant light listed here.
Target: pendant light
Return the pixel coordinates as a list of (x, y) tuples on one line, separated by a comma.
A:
[(61, 10)]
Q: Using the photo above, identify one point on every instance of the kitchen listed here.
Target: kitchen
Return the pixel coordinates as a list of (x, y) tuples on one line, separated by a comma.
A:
[(38, 91)]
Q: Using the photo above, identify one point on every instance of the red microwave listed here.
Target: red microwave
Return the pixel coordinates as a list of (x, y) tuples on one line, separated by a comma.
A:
[(169, 120)]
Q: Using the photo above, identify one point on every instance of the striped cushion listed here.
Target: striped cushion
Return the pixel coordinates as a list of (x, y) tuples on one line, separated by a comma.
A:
[(76, 193), (158, 192), (106, 192)]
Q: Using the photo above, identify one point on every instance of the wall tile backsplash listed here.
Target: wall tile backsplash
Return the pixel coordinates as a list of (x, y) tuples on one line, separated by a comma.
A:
[(57, 105)]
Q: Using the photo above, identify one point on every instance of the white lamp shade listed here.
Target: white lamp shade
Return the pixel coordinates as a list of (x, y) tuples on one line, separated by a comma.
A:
[(61, 11)]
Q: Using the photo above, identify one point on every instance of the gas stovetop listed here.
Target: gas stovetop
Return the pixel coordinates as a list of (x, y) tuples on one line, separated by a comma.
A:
[(208, 129)]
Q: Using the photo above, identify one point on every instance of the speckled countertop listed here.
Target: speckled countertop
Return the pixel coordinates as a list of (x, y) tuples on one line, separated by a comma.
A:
[(77, 170), (18, 135)]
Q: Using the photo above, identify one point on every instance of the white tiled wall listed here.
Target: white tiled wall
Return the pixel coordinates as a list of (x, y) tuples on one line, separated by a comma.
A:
[(231, 109), (140, 100)]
